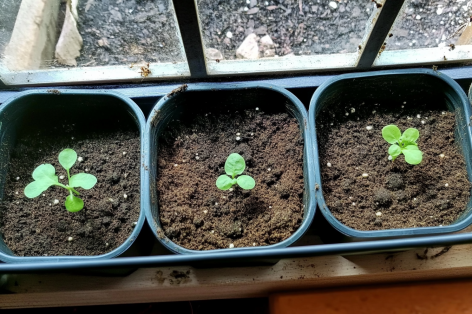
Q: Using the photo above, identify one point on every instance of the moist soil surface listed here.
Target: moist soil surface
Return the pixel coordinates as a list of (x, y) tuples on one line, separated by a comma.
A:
[(195, 214), (39, 226), (394, 194)]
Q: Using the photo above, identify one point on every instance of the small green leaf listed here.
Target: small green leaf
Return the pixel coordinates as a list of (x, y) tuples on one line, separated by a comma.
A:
[(234, 165), (246, 182), (45, 172), (44, 176), (224, 182), (413, 155), (410, 135), (74, 204), (67, 158), (82, 180), (35, 188), (391, 133), (394, 151)]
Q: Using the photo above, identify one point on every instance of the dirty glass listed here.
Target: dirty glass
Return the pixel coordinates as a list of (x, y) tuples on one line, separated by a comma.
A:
[(8, 11), (253, 29), (87, 33), (430, 23)]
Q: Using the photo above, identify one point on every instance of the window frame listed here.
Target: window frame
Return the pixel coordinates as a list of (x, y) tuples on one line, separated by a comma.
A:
[(198, 67)]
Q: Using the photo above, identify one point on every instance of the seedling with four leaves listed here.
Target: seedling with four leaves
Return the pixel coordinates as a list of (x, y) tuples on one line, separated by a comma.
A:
[(234, 166), (403, 143), (45, 176)]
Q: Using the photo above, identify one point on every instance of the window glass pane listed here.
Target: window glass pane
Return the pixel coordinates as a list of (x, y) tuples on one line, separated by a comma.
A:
[(264, 29), (117, 32), (429, 23), (8, 11), (123, 35)]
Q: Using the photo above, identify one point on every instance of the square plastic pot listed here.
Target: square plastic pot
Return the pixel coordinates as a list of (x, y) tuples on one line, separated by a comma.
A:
[(394, 85), (17, 110), (232, 97)]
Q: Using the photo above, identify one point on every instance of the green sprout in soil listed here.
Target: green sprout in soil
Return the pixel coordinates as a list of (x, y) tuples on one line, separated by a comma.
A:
[(45, 176), (403, 143), (234, 166)]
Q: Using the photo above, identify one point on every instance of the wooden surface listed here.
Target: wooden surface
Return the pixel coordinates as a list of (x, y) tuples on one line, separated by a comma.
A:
[(466, 36), (159, 285), (431, 298)]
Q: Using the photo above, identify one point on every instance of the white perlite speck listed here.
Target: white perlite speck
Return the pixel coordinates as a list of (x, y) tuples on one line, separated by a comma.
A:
[(80, 159), (238, 134), (390, 157), (61, 177), (446, 185), (347, 114), (125, 196), (257, 108), (231, 245), (333, 5), (56, 202), (422, 122), (70, 239), (197, 158), (442, 156), (328, 164), (246, 8), (353, 204), (353, 110), (124, 153), (229, 35), (365, 175), (216, 204), (444, 112), (369, 127), (268, 169), (106, 244), (418, 17), (270, 206), (252, 134), (418, 116), (205, 211), (254, 244), (17, 178), (378, 214), (231, 190), (135, 223), (238, 138)]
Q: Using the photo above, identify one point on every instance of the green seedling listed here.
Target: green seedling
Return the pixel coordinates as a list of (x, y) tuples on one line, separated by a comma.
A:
[(403, 143), (45, 176), (234, 166)]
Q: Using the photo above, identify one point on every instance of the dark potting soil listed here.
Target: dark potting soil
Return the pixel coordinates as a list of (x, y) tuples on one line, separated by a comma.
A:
[(39, 226), (197, 215), (394, 194)]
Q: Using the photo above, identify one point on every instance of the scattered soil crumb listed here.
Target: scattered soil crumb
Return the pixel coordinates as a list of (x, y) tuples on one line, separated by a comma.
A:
[(179, 277), (177, 90)]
